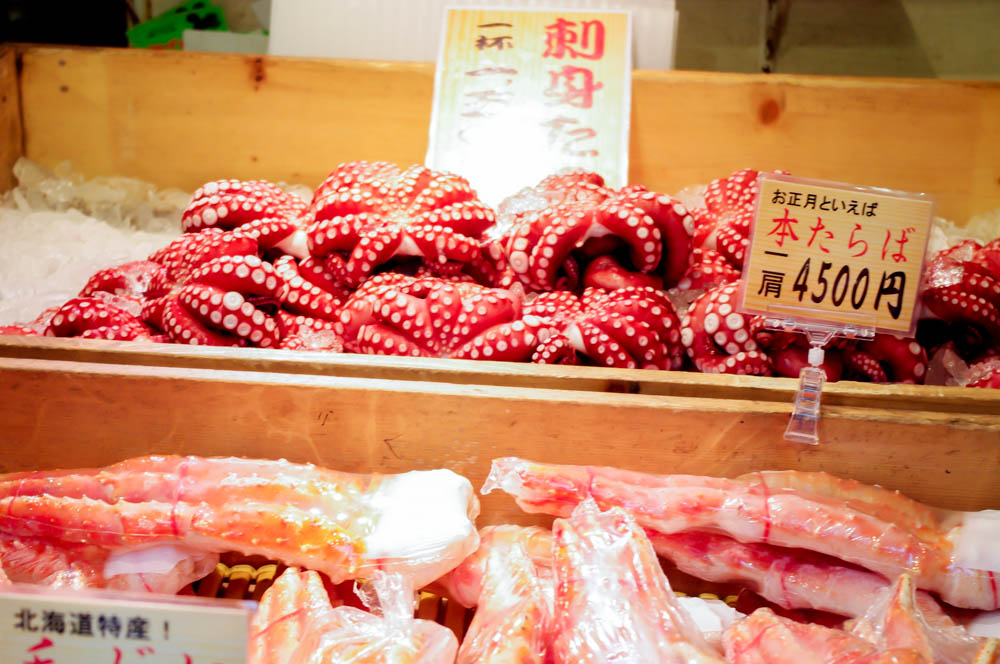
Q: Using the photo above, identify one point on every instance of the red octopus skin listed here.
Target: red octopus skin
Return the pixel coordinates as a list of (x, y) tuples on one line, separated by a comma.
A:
[(628, 328), (719, 339), (962, 284), (309, 289), (188, 252), (398, 315), (215, 304), (300, 332), (365, 214), (724, 223), (708, 269), (93, 318), (985, 373), (137, 279), (19, 330), (607, 273), (887, 358), (584, 220), (229, 204)]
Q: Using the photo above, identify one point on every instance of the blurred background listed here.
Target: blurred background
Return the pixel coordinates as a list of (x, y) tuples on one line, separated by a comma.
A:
[(915, 38)]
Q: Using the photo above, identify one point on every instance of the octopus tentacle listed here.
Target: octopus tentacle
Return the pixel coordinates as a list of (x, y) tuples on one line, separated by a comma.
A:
[(301, 295), (719, 339)]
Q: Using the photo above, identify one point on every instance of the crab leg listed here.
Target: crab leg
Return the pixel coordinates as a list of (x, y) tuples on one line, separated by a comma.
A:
[(876, 501), (514, 611), (764, 638), (613, 602), (752, 513), (465, 583), (342, 524)]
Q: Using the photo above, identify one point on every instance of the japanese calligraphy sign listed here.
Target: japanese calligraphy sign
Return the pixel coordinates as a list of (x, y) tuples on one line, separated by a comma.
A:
[(836, 253), (520, 95), (42, 626)]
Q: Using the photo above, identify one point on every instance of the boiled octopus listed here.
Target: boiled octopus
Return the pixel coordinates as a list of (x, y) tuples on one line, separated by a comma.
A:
[(366, 213), (96, 318), (628, 328), (719, 339), (259, 209), (723, 223), (640, 232), (394, 314), (885, 358), (222, 293)]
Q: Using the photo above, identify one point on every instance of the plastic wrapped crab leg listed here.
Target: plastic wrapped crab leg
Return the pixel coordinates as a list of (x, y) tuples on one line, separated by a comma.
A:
[(752, 513), (792, 579), (296, 602), (345, 525), (465, 583), (902, 617), (873, 500), (613, 602), (764, 638), (388, 635), (512, 621)]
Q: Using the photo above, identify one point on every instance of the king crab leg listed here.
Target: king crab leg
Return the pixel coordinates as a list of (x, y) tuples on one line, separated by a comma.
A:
[(754, 514), (765, 638), (296, 513), (613, 602)]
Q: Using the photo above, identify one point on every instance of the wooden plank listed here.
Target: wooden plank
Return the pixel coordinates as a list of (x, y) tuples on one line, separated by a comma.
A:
[(74, 414), (925, 398), (180, 119), (11, 136)]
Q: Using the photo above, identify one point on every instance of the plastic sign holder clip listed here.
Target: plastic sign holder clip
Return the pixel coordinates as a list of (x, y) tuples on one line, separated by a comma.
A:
[(803, 427), (832, 259)]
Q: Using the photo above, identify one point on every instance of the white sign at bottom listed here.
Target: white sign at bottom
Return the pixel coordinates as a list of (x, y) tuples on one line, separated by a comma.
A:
[(43, 626)]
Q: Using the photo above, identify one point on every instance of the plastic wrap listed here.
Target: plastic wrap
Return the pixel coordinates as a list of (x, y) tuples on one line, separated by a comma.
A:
[(465, 583), (790, 578), (613, 601), (765, 638), (514, 614), (900, 617), (389, 635), (348, 526), (835, 520), (976, 541), (295, 603), (159, 569)]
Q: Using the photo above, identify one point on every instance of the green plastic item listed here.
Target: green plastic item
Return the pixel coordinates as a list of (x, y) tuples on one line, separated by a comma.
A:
[(166, 31)]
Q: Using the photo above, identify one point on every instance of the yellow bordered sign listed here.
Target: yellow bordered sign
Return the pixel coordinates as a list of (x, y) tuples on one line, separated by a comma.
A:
[(837, 253), (42, 625), (521, 94)]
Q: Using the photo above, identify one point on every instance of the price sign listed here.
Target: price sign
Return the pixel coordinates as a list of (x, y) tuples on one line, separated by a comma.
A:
[(519, 95), (836, 253), (43, 626)]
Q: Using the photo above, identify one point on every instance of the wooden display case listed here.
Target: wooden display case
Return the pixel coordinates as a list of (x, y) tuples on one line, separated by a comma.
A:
[(180, 119)]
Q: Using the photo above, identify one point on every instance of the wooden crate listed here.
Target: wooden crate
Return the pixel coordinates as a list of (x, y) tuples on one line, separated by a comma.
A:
[(179, 119)]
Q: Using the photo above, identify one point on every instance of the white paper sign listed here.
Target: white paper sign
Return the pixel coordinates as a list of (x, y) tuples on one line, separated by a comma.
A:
[(43, 626)]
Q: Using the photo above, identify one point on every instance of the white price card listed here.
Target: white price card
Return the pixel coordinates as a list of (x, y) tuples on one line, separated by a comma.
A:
[(521, 94), (43, 626)]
